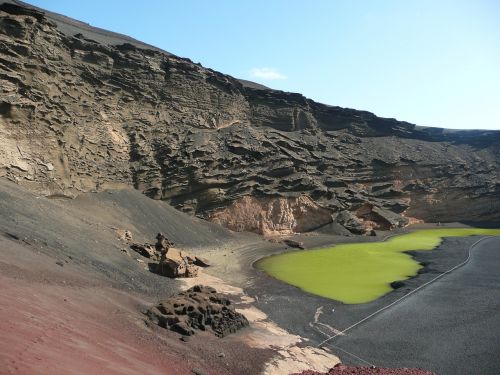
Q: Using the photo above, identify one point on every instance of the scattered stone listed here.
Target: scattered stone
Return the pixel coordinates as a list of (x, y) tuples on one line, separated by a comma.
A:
[(60, 264), (184, 338), (221, 355), (197, 371), (199, 308), (125, 251), (293, 243), (146, 250), (123, 234), (202, 262)]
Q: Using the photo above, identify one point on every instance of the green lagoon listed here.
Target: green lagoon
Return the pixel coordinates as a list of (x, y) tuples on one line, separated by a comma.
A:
[(359, 272)]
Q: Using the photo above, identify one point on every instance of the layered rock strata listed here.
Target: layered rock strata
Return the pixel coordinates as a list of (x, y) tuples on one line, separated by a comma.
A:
[(80, 115)]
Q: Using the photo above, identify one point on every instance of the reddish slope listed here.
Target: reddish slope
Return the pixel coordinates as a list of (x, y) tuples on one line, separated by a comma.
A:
[(58, 320)]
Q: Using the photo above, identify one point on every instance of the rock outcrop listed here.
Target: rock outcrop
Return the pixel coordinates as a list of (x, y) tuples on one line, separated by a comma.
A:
[(171, 262), (84, 111), (272, 215), (199, 308), (177, 263)]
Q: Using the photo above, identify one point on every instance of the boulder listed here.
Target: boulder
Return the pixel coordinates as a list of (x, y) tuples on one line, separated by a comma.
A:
[(352, 223), (172, 262), (162, 243), (176, 263), (379, 218), (199, 308)]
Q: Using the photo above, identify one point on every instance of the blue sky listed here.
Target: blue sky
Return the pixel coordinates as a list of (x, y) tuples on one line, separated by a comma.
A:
[(430, 62)]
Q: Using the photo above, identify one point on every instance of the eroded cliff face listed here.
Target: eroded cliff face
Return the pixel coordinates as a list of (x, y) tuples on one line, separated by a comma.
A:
[(78, 115), (272, 215)]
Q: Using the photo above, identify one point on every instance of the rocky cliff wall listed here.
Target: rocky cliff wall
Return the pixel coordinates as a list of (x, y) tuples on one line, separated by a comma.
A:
[(78, 115), (272, 215)]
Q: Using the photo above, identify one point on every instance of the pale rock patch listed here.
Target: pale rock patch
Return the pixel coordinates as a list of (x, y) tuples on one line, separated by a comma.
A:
[(292, 356)]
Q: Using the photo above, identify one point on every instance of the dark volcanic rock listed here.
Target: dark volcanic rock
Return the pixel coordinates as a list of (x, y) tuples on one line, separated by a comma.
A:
[(293, 243), (146, 250), (85, 111), (174, 262), (351, 222), (198, 308), (397, 284), (177, 263), (201, 262), (171, 262)]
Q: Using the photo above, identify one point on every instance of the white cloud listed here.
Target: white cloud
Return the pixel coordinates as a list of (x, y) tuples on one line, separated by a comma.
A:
[(267, 73)]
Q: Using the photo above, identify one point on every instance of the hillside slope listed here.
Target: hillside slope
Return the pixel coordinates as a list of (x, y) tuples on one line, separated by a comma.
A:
[(73, 293), (79, 115)]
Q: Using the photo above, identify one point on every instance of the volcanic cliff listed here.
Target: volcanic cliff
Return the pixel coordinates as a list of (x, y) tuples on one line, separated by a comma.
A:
[(83, 109)]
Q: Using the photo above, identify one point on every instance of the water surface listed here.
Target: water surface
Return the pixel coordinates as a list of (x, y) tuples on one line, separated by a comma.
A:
[(359, 272)]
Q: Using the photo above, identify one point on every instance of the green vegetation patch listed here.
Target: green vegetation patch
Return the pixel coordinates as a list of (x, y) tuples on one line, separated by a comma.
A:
[(359, 272)]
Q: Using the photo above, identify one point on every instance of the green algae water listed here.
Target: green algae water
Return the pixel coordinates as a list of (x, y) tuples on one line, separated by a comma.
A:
[(359, 272)]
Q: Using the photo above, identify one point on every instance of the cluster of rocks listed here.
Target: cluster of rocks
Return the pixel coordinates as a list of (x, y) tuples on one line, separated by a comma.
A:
[(79, 115), (199, 308), (171, 262)]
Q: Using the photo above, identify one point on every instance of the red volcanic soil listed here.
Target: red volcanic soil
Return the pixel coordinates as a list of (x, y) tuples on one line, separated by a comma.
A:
[(348, 370), (58, 320), (50, 329)]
